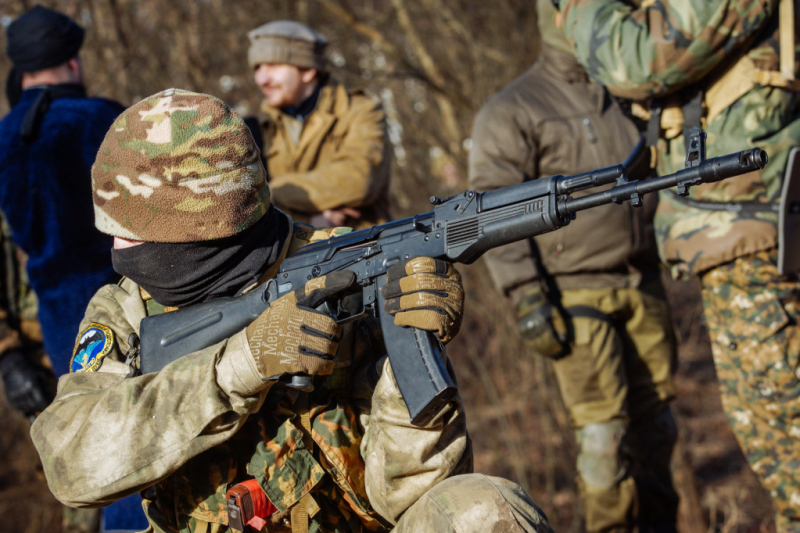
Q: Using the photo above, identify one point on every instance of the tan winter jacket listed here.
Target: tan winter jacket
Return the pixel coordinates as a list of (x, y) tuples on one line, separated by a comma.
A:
[(552, 120), (341, 159), (206, 422)]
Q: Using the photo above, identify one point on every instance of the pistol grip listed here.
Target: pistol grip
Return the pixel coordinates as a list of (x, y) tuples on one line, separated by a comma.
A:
[(416, 359)]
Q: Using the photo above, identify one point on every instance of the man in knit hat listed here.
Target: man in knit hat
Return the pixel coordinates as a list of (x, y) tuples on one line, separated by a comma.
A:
[(179, 184), (326, 148)]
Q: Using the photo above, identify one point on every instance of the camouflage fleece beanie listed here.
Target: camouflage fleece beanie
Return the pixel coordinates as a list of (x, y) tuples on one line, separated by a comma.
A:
[(178, 167)]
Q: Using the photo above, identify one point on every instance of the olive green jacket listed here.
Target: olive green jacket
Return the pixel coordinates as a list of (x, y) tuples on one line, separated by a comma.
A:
[(552, 120), (341, 158), (207, 421)]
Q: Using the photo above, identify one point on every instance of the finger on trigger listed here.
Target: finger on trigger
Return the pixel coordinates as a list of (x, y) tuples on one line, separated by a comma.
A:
[(308, 289)]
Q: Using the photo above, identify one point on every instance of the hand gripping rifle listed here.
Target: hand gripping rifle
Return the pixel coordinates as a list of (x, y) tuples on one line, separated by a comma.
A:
[(459, 229)]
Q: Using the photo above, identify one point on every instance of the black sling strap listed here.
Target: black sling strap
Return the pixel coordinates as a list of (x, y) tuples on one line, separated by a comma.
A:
[(29, 130)]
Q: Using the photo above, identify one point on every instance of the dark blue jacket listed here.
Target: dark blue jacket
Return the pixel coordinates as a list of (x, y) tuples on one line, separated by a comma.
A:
[(46, 193)]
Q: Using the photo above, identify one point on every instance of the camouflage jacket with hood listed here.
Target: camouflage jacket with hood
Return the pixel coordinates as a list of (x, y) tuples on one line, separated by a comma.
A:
[(729, 49), (189, 432)]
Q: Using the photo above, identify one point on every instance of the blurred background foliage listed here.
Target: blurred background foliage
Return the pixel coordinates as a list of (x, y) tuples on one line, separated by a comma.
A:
[(432, 63)]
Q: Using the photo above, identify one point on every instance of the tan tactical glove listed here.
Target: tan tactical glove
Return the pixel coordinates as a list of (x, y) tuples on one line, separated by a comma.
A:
[(541, 324), (291, 337), (425, 293)]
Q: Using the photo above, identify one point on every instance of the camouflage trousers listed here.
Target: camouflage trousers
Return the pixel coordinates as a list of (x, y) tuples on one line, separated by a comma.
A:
[(474, 503), (752, 315)]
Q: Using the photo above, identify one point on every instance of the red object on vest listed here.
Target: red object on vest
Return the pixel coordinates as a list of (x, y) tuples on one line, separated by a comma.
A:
[(262, 507), (248, 505)]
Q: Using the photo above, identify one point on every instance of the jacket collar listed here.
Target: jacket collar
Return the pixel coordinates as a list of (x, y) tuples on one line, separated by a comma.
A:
[(333, 101), (562, 66)]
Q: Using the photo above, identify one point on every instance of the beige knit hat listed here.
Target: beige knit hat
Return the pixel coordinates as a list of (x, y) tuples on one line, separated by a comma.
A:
[(287, 42)]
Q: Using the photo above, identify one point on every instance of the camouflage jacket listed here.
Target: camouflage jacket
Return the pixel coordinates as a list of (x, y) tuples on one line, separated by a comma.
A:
[(19, 327), (729, 49), (338, 157), (184, 435)]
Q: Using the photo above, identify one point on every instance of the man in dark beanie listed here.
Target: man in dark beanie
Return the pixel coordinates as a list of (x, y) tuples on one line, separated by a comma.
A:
[(48, 143), (41, 39)]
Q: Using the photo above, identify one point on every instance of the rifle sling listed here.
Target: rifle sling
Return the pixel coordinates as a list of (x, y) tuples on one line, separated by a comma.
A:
[(587, 311)]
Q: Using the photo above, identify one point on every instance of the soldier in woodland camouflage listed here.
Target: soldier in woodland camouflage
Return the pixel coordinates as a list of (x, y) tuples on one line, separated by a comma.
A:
[(28, 379), (180, 186), (729, 66)]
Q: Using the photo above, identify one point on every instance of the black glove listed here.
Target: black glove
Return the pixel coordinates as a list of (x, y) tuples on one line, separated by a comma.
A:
[(541, 324), (27, 388)]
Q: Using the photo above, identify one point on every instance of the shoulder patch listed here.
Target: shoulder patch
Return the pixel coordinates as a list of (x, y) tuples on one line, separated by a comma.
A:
[(93, 344)]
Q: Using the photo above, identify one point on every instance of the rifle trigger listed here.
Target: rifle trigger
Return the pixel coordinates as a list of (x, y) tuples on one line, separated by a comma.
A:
[(363, 313)]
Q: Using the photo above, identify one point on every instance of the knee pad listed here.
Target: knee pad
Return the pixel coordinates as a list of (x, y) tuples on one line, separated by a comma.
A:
[(600, 463), (475, 503)]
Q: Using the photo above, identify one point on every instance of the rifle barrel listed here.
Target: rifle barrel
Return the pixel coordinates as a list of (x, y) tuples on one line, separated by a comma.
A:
[(709, 171)]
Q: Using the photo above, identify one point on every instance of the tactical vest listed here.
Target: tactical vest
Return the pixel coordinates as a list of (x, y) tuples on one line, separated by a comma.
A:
[(302, 448), (676, 114)]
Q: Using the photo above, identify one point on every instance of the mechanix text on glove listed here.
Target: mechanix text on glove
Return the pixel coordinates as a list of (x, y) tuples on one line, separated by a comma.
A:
[(292, 337)]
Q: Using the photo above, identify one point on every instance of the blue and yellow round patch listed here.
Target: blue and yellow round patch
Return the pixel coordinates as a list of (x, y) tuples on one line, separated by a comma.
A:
[(94, 343)]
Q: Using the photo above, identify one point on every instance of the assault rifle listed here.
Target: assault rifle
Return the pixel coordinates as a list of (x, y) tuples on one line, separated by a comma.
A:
[(458, 229)]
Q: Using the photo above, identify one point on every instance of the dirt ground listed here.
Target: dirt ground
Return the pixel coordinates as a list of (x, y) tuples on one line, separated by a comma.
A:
[(519, 431)]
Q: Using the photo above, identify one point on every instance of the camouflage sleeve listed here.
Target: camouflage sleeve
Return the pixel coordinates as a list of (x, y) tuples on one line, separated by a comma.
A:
[(10, 288), (404, 461), (108, 435), (502, 146), (351, 178), (662, 45)]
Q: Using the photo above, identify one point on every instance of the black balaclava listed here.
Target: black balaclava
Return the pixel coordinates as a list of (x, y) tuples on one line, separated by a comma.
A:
[(39, 39), (181, 274)]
